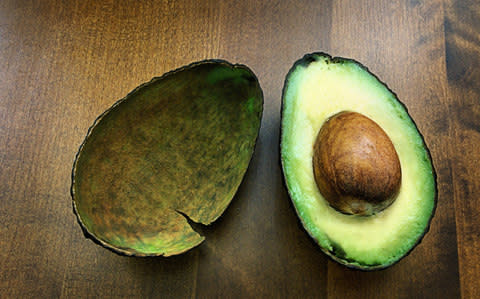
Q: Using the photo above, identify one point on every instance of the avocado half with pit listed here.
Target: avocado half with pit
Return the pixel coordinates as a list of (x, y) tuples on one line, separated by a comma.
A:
[(174, 148), (356, 167)]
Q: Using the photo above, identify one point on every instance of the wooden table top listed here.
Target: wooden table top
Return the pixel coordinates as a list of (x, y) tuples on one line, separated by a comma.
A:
[(62, 63)]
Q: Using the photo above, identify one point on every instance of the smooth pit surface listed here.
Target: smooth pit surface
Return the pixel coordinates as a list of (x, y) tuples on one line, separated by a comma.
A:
[(355, 164)]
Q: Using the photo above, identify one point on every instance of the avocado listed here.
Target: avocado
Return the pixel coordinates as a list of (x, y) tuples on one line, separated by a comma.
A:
[(356, 167), (174, 149)]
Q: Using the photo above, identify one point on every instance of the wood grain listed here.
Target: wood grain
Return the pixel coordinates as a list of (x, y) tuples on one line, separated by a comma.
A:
[(462, 23), (62, 63)]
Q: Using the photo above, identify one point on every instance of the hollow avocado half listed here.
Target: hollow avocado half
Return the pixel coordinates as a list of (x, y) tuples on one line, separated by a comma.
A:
[(317, 88), (175, 148)]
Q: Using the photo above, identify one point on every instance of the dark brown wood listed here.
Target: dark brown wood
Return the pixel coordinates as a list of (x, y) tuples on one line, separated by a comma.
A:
[(462, 25), (62, 63)]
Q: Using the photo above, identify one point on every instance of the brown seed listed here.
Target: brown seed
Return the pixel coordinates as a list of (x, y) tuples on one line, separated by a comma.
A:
[(355, 164)]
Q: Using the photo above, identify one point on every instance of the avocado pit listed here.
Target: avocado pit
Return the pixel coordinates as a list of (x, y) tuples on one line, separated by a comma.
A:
[(356, 167)]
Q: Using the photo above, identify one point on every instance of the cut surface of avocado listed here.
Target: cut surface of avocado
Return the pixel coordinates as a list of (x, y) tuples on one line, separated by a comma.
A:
[(317, 88)]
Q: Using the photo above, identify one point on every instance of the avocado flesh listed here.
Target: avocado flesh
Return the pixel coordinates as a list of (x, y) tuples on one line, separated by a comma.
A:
[(175, 147), (317, 87)]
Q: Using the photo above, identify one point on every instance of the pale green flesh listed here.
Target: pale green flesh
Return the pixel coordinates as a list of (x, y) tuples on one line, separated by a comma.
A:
[(313, 94)]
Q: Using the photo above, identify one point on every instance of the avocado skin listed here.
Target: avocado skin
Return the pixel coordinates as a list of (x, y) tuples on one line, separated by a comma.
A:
[(247, 74), (337, 254)]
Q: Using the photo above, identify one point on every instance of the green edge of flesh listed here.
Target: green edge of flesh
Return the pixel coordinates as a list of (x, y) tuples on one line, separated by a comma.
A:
[(310, 96)]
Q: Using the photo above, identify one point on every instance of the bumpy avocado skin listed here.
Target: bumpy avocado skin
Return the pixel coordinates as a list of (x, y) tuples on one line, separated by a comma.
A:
[(175, 147), (331, 248)]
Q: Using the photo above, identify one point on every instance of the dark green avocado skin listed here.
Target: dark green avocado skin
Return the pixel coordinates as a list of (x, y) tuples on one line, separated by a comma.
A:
[(337, 254), (173, 149)]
